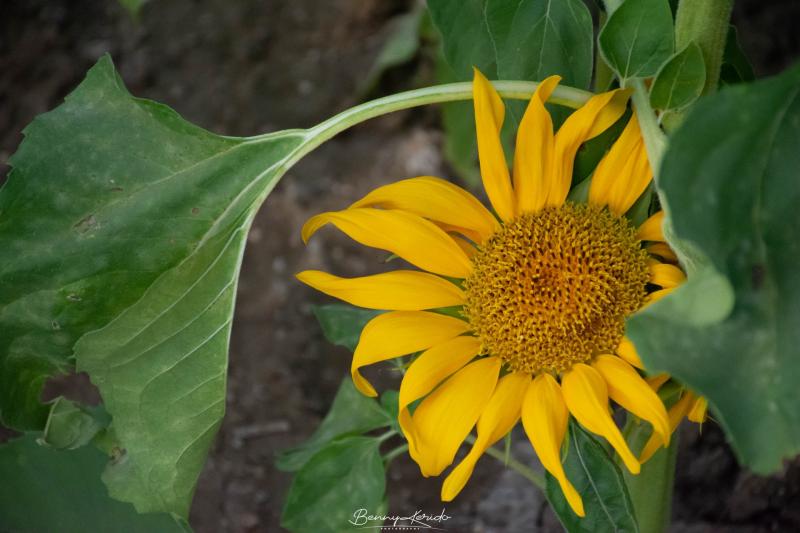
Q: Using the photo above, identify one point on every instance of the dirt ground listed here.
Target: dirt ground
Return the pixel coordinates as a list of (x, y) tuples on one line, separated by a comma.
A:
[(252, 66)]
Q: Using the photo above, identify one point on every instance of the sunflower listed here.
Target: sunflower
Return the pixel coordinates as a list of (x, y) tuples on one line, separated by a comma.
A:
[(520, 313)]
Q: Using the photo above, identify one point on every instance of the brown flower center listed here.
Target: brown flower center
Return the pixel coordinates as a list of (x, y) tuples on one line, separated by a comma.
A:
[(553, 288)]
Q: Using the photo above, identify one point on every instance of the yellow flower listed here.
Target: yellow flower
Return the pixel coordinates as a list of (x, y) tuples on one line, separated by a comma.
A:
[(542, 291)]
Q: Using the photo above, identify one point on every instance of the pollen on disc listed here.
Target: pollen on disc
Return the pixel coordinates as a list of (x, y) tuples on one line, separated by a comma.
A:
[(553, 288)]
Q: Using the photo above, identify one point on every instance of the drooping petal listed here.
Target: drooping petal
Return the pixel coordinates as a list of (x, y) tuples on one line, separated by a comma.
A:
[(533, 155), (444, 419), (631, 391), (401, 290), (667, 276), (426, 372), (627, 351), (489, 115), (662, 250), (498, 418), (400, 333), (545, 418), (652, 228), (698, 410), (420, 242), (676, 414), (592, 119), (586, 395), (434, 199), (623, 174)]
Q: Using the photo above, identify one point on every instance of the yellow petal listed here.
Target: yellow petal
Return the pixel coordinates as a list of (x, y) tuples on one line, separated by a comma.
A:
[(402, 290), (676, 414), (652, 228), (400, 333), (586, 395), (533, 155), (657, 381), (628, 389), (627, 351), (426, 372), (545, 417), (497, 419), (466, 246), (623, 174), (662, 250), (666, 276), (698, 410), (489, 115), (592, 119), (420, 242), (656, 296), (434, 199), (444, 419)]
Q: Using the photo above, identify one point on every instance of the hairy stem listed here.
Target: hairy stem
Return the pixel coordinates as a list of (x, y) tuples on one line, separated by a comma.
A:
[(704, 22)]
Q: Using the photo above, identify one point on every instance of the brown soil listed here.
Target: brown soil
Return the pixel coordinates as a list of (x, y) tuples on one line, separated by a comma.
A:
[(247, 67)]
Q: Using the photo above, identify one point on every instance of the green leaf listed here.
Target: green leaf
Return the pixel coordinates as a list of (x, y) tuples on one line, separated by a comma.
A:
[(680, 81), (342, 324), (517, 40), (352, 413), (638, 38), (345, 476), (71, 425), (599, 482), (400, 47), (730, 182), (49, 490), (736, 67), (123, 229)]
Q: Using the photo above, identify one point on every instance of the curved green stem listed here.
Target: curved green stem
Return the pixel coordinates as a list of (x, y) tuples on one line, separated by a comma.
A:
[(526, 472), (394, 453), (451, 92)]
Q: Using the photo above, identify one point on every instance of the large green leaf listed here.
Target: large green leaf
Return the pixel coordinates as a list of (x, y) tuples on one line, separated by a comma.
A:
[(352, 413), (342, 478), (45, 489), (730, 182), (123, 228), (600, 483), (517, 40), (638, 38)]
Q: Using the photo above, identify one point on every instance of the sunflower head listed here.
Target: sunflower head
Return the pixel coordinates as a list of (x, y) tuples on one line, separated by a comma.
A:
[(544, 286), (553, 288)]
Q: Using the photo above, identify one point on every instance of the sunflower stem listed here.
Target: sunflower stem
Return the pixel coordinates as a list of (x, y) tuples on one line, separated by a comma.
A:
[(705, 22), (391, 454), (518, 90), (508, 460)]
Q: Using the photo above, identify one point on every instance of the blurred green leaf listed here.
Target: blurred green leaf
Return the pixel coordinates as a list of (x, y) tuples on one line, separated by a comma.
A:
[(45, 489), (680, 81), (599, 482), (342, 324), (638, 38), (400, 47), (351, 413), (345, 476), (736, 67), (133, 7), (70, 425), (729, 179)]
